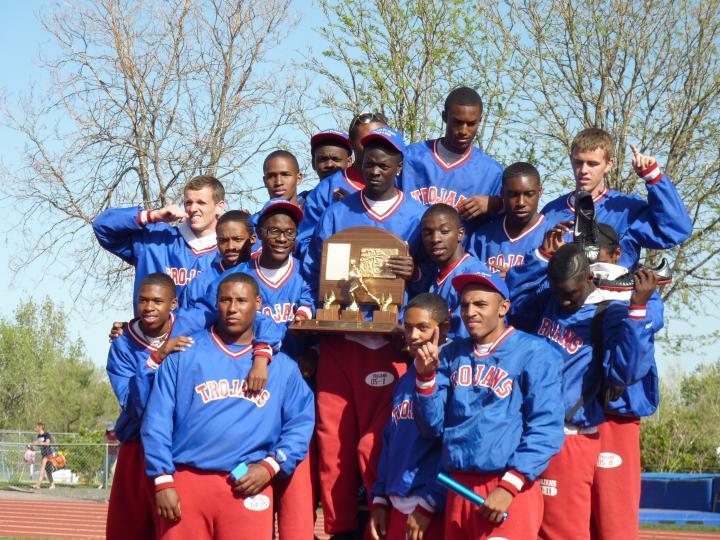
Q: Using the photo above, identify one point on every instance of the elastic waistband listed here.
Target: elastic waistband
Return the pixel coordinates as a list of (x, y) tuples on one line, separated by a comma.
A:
[(571, 429)]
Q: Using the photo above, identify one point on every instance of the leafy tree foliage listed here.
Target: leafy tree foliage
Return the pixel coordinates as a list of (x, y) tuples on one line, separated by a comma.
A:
[(46, 376)]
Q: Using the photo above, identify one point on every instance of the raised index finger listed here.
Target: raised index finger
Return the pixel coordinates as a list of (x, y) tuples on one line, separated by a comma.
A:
[(634, 150)]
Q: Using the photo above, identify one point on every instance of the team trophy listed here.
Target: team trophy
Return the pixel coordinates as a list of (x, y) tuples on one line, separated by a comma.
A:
[(354, 275)]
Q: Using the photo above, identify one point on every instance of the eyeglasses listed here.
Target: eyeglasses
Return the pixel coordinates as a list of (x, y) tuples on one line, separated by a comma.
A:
[(366, 117), (274, 232)]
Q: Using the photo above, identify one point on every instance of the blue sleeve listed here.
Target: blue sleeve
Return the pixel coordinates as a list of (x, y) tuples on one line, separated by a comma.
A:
[(378, 489), (298, 422), (307, 298), (117, 229), (664, 222), (140, 387), (316, 203), (313, 255), (542, 412), (120, 370), (628, 345), (267, 332), (429, 404), (529, 292), (158, 423)]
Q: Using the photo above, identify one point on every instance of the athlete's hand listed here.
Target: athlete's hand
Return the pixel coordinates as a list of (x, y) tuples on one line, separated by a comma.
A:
[(253, 482), (427, 358), (339, 194), (500, 268), (258, 376), (554, 238), (641, 162), (176, 344), (168, 214), (168, 504), (479, 205), (417, 524), (496, 504), (378, 523), (117, 330), (402, 265), (645, 284)]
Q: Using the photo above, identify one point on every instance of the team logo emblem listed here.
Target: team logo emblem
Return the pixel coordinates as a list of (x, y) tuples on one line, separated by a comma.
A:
[(608, 460), (379, 378), (257, 503)]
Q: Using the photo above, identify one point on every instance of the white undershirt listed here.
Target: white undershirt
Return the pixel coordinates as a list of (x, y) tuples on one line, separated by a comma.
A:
[(274, 274), (153, 341), (381, 207)]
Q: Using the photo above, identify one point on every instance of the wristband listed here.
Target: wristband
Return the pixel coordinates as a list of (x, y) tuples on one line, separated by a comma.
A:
[(164, 481)]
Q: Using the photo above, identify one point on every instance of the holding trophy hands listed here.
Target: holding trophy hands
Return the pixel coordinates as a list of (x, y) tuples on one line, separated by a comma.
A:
[(169, 214), (427, 358), (554, 238)]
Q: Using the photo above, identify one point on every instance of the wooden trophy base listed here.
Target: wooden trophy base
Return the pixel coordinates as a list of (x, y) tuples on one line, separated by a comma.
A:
[(333, 321)]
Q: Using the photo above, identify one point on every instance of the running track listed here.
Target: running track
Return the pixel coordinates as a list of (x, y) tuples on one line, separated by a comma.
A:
[(32, 517)]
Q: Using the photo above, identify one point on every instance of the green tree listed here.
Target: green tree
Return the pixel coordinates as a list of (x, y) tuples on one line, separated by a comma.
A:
[(402, 57), (46, 376), (685, 432)]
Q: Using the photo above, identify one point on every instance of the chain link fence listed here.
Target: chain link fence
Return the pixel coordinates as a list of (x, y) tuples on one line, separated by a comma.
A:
[(86, 464)]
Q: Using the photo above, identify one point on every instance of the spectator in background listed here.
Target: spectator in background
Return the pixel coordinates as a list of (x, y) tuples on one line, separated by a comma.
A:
[(44, 440), (112, 447)]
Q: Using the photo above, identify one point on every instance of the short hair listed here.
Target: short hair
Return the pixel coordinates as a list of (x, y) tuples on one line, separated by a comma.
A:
[(590, 139), (463, 96), (40, 425), (608, 237), (161, 280), (240, 277), (433, 303), (568, 262), (384, 145), (444, 210), (282, 154), (200, 182), (520, 168), (236, 216)]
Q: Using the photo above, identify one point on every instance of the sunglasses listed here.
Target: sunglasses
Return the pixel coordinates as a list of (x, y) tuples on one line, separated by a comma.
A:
[(366, 118)]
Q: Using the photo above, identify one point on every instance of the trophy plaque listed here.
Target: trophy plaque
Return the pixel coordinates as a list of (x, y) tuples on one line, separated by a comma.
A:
[(353, 274)]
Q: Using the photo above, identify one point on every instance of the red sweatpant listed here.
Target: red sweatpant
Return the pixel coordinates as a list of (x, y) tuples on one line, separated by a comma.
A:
[(616, 489), (210, 510), (131, 513), (566, 487), (294, 504), (354, 400), (397, 526), (463, 520)]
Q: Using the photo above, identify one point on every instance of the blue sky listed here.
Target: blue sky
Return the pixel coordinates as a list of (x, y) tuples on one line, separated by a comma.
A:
[(21, 42)]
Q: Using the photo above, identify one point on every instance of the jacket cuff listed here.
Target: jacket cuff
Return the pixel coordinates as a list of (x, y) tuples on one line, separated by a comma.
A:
[(425, 508), (543, 255), (154, 361), (304, 311), (262, 350), (379, 502), (425, 385), (144, 217), (270, 466), (164, 481), (652, 174), (512, 481), (637, 312)]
